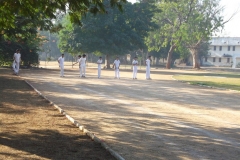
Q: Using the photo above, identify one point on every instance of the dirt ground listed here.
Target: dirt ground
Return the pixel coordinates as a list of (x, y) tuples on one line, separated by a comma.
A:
[(32, 129), (144, 120)]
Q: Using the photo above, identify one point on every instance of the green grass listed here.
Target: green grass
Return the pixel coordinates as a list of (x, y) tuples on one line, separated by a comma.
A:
[(220, 80)]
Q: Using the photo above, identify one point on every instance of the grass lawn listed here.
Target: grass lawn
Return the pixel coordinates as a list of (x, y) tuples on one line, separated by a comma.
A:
[(228, 80)]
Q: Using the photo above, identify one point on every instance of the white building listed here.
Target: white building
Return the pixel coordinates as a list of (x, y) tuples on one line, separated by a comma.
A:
[(224, 51)]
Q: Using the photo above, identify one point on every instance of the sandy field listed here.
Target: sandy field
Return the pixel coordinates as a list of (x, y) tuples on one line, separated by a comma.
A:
[(32, 129), (147, 119)]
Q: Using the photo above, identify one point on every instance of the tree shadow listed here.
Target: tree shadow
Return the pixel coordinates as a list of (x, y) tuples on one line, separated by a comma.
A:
[(53, 145)]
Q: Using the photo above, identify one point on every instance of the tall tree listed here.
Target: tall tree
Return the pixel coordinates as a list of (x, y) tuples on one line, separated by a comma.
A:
[(205, 20), (110, 34), (174, 16)]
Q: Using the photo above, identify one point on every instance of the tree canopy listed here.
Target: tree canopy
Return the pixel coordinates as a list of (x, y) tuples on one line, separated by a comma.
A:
[(20, 20), (49, 9), (115, 33)]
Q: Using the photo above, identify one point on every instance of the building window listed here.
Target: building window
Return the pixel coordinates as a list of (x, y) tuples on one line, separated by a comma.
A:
[(205, 59), (228, 60), (220, 59), (214, 48), (233, 48), (220, 48), (229, 48), (214, 59)]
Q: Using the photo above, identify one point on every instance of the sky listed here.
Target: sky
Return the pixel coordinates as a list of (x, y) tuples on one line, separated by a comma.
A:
[(232, 28)]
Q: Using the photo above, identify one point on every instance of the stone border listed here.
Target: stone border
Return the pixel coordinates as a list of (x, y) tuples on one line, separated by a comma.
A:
[(82, 128), (205, 85)]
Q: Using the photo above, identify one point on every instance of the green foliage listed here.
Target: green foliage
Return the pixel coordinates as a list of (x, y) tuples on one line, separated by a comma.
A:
[(49, 9), (24, 37), (205, 20), (114, 33), (28, 49), (185, 24)]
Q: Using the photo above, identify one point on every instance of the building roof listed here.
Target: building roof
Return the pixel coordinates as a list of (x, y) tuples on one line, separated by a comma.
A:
[(235, 41)]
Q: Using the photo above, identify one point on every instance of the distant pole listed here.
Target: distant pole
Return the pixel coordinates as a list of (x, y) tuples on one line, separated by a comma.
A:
[(72, 61), (50, 44)]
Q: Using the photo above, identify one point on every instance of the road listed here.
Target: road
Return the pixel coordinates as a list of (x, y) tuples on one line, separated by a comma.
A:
[(148, 119)]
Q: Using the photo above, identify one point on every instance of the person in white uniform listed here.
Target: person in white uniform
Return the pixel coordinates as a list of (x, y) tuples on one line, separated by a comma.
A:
[(116, 65), (61, 65), (135, 67), (148, 61), (83, 65), (99, 62), (79, 63), (17, 61)]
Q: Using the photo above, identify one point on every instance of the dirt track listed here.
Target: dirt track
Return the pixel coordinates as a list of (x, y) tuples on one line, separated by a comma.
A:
[(32, 129), (140, 119)]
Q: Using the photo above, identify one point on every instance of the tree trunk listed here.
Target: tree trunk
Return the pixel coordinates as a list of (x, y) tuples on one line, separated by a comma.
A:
[(107, 62), (157, 61), (194, 53), (143, 57), (169, 58)]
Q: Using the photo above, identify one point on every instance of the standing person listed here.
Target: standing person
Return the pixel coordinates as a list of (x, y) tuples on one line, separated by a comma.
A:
[(135, 67), (148, 61), (116, 65), (83, 65), (99, 62), (61, 65), (79, 63), (17, 60)]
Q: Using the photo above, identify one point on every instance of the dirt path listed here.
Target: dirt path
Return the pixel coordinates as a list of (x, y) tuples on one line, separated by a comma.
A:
[(31, 129), (140, 119)]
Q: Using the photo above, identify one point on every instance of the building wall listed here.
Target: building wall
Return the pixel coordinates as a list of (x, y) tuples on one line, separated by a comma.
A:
[(238, 62), (224, 62), (224, 48)]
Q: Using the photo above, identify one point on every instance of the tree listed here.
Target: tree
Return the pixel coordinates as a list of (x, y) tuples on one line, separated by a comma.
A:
[(109, 34), (205, 19), (23, 37), (171, 20), (50, 9)]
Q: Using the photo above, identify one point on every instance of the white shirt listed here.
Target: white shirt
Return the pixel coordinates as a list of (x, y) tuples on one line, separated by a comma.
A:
[(99, 62), (83, 61), (79, 61), (61, 61), (148, 62), (17, 57), (135, 62), (117, 63)]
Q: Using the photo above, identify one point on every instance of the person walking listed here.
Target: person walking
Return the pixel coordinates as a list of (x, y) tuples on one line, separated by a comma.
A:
[(61, 65), (116, 65), (99, 62), (148, 61), (17, 61), (135, 67), (83, 65)]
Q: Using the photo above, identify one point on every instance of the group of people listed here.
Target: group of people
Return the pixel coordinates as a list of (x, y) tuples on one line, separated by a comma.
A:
[(82, 65), (81, 61), (116, 65), (16, 62)]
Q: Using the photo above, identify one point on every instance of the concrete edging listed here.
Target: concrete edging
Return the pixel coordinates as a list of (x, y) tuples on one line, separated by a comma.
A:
[(84, 130), (205, 85)]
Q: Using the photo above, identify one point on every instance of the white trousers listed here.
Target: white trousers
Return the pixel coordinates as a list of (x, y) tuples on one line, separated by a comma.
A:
[(147, 72), (16, 68), (83, 70), (61, 71), (135, 71), (99, 71), (80, 71), (117, 73)]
